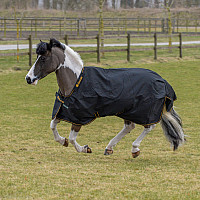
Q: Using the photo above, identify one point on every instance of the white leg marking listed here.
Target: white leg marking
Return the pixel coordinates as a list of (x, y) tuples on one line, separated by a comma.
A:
[(137, 142), (72, 138), (120, 135), (57, 137)]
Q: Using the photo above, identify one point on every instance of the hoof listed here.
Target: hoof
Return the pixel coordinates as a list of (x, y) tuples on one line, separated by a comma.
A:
[(108, 152), (66, 143), (136, 154), (88, 149)]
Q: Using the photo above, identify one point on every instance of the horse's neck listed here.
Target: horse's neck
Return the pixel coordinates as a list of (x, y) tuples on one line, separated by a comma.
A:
[(72, 61), (66, 79), (68, 72)]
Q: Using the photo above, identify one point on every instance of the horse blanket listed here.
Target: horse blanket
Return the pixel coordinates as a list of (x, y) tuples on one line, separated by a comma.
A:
[(135, 94)]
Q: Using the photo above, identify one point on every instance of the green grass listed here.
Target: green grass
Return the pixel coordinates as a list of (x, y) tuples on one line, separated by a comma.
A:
[(33, 166)]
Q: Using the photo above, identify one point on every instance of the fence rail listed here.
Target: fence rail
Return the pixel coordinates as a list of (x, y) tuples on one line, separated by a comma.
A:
[(38, 27), (100, 50)]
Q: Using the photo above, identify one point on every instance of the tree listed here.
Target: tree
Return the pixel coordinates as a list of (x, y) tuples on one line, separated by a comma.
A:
[(46, 4), (101, 25), (117, 4), (156, 2), (34, 3), (137, 3), (40, 4), (168, 6), (109, 4)]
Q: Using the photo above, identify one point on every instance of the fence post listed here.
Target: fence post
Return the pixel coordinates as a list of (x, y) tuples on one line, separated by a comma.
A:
[(35, 27), (4, 27), (128, 46), (149, 26), (85, 27), (155, 46), (125, 25), (180, 45), (78, 27), (31, 26), (163, 25), (60, 28), (20, 27), (112, 28), (17, 22), (30, 50), (98, 48), (64, 25), (173, 25), (118, 27), (177, 22), (66, 40), (138, 25), (187, 24), (71, 26), (50, 28), (196, 25)]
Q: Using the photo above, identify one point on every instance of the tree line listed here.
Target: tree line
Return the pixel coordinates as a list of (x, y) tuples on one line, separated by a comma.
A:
[(92, 4)]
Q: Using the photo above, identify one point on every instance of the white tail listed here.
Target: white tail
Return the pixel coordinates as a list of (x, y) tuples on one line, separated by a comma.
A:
[(172, 128)]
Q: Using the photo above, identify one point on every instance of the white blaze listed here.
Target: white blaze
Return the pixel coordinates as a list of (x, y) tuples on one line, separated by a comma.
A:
[(31, 73)]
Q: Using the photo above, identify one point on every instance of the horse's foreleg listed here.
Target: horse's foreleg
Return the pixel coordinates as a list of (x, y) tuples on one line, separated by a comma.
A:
[(136, 143), (72, 138), (57, 137), (128, 126)]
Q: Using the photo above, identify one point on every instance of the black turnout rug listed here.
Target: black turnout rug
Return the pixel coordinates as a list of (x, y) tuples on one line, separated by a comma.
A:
[(135, 94)]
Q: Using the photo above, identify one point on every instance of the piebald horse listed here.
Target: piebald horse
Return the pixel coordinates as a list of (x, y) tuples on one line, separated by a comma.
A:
[(138, 96)]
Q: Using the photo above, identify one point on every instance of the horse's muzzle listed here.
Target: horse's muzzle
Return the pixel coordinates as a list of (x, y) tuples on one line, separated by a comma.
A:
[(31, 81), (28, 79)]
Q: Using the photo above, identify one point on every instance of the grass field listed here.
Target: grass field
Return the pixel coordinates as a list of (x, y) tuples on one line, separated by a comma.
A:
[(33, 166)]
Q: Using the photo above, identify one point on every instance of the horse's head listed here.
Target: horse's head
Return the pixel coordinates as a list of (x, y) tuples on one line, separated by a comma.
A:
[(49, 57)]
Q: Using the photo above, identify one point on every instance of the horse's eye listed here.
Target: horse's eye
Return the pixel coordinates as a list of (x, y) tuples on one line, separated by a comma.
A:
[(43, 58)]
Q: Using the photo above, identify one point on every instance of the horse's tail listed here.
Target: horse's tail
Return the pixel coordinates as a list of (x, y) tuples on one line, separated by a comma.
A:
[(172, 127)]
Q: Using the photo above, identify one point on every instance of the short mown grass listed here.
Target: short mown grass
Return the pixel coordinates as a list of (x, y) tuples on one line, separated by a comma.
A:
[(33, 166)]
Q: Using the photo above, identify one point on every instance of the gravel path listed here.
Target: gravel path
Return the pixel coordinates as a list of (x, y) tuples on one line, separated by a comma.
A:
[(25, 46)]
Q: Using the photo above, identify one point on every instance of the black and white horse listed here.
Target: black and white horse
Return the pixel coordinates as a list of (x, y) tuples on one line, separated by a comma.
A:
[(138, 96)]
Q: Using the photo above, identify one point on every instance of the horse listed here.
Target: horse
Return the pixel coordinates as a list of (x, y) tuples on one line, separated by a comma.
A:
[(138, 96)]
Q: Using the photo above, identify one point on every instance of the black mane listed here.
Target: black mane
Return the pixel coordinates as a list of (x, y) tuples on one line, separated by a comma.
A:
[(56, 43), (42, 47)]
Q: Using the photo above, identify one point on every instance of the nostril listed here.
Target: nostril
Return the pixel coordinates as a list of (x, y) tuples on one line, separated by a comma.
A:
[(28, 79)]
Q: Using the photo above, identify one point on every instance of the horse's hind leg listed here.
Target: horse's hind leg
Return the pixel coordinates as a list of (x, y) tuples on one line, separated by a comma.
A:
[(136, 143), (128, 126), (57, 137)]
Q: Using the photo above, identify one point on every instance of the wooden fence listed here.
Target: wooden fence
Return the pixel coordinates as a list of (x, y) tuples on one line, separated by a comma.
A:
[(155, 48), (128, 48), (57, 27), (17, 53)]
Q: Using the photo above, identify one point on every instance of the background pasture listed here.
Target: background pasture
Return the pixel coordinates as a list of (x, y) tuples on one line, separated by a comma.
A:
[(33, 166)]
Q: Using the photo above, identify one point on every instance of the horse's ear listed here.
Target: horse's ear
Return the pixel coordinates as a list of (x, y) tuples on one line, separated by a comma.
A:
[(49, 47), (56, 43)]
